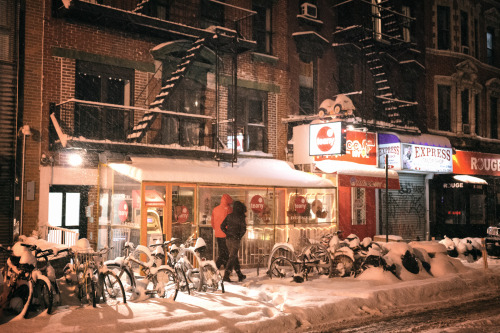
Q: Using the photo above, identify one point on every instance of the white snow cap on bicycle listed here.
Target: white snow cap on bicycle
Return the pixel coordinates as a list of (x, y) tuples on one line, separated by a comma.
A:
[(199, 243)]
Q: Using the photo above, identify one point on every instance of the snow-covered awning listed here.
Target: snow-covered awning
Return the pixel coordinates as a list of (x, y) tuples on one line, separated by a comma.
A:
[(470, 179), (422, 139), (247, 171), (352, 174)]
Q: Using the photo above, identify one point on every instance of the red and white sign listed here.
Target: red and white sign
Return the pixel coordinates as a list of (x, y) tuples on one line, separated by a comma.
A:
[(360, 148), (183, 215), (427, 158), (325, 138), (257, 204), (473, 163), (300, 204), (123, 210), (367, 182)]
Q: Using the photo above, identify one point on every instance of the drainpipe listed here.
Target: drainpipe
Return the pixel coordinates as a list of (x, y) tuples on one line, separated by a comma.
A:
[(24, 131), (428, 177)]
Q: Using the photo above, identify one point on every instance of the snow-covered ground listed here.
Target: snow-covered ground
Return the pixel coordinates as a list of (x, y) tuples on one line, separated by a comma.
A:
[(261, 304)]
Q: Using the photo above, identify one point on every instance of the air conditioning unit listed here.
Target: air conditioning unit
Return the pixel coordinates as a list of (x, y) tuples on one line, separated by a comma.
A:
[(465, 49), (466, 128), (309, 10)]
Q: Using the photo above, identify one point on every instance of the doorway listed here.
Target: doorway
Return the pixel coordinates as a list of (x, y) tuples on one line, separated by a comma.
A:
[(67, 207)]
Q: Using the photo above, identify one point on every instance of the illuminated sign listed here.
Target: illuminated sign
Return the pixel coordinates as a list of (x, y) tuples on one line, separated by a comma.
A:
[(393, 152), (257, 204), (360, 148), (453, 185), (427, 158), (472, 163), (325, 139)]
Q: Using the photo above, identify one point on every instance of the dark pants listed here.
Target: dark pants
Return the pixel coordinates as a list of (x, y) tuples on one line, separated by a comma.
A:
[(223, 253), (233, 245)]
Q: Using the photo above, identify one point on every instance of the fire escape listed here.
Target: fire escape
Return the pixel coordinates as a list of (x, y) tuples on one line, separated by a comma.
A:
[(381, 34), (225, 42)]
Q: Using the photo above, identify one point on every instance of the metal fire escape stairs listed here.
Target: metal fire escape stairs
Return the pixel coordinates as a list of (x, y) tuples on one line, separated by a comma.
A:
[(141, 128), (372, 51)]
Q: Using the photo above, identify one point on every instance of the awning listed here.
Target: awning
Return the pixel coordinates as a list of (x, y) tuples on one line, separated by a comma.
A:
[(358, 175), (470, 179), (422, 139), (247, 171)]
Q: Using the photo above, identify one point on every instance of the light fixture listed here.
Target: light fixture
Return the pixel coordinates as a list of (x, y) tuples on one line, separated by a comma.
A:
[(75, 159)]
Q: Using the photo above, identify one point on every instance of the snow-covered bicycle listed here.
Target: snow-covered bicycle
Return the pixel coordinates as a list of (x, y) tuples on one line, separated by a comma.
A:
[(24, 288), (201, 274), (156, 279)]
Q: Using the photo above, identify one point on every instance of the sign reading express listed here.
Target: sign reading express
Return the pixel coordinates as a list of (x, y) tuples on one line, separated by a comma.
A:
[(325, 139), (427, 158)]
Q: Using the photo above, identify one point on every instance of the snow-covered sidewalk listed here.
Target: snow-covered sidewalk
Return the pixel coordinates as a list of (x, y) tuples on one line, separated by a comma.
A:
[(261, 304)]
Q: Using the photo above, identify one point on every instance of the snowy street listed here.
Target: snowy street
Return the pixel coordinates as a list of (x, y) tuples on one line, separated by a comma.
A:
[(261, 304)]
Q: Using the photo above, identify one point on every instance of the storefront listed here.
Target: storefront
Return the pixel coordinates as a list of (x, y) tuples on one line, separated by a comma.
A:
[(417, 159), (152, 199), (353, 171), (465, 203)]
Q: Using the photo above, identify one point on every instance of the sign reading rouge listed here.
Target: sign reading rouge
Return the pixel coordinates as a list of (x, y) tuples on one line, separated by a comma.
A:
[(473, 163), (325, 139)]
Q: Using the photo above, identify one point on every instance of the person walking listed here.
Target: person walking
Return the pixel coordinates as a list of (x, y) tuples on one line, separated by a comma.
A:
[(235, 227), (219, 213)]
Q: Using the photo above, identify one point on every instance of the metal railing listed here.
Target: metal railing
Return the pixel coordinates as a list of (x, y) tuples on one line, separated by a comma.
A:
[(234, 17), (59, 235), (101, 121)]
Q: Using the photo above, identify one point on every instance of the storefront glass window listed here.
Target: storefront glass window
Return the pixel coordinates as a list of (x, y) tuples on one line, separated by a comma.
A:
[(183, 223)]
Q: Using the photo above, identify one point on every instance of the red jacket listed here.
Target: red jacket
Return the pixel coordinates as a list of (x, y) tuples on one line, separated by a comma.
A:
[(219, 213)]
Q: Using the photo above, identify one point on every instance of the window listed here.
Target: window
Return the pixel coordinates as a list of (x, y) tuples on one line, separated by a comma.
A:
[(476, 38), (465, 110), (407, 25), (444, 109), (346, 75), (106, 84), (490, 49), (306, 88), (477, 115), (262, 28), (212, 13), (67, 207), (443, 26), (188, 98), (494, 117), (358, 200), (6, 31), (251, 118), (464, 31)]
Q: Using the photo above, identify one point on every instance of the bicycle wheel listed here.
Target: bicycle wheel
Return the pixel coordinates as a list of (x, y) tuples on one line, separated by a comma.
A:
[(191, 265), (86, 289), (110, 288), (166, 283), (342, 265), (125, 276), (183, 280), (42, 297), (212, 280), (282, 267)]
